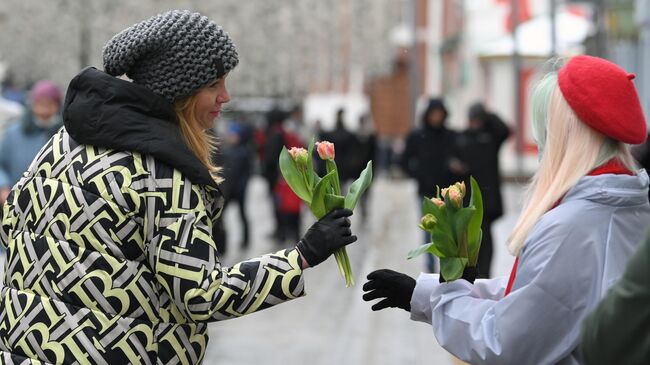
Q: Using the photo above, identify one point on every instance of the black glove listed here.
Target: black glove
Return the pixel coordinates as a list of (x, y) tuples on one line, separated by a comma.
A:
[(326, 236), (469, 274), (395, 287)]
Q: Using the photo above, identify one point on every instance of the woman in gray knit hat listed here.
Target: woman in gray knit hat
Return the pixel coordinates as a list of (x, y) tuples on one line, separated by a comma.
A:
[(111, 256)]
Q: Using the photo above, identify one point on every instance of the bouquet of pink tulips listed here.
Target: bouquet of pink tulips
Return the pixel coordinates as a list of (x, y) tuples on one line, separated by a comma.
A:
[(455, 230), (323, 194)]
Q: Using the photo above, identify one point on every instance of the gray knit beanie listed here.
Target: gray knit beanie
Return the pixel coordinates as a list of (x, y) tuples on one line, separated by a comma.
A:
[(172, 54)]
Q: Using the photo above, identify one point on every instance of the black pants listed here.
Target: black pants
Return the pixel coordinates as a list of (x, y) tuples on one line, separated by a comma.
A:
[(485, 252), (289, 228)]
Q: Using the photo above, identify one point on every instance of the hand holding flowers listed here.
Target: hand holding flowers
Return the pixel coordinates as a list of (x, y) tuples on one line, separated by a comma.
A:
[(455, 230), (323, 194)]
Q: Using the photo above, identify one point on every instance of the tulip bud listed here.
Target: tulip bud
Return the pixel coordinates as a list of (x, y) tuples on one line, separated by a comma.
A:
[(438, 202), (429, 222), (299, 155), (455, 196), (461, 187), (326, 150)]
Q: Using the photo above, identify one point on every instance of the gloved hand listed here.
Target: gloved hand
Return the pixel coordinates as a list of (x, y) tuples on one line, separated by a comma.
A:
[(395, 287), (326, 236)]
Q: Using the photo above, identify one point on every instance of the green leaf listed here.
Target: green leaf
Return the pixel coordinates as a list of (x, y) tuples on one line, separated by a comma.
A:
[(294, 176), (429, 247), (451, 268), (333, 202), (312, 176), (358, 187), (474, 234), (461, 222), (474, 249), (318, 200), (444, 243), (330, 166)]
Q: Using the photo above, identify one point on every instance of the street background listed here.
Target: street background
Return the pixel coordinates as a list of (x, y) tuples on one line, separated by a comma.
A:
[(332, 324), (382, 62)]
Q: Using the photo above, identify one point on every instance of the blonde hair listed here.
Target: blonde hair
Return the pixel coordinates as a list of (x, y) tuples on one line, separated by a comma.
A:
[(570, 150), (202, 144)]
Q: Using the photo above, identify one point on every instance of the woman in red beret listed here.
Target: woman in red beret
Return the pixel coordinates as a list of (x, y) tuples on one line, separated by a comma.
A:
[(586, 211)]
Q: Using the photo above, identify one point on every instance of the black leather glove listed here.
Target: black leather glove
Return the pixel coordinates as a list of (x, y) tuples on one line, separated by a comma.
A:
[(395, 287), (326, 236)]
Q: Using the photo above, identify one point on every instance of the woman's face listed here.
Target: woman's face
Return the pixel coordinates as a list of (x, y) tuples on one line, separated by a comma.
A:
[(45, 108), (209, 101)]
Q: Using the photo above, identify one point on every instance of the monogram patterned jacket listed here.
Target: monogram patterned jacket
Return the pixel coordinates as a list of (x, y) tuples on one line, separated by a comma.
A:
[(111, 258)]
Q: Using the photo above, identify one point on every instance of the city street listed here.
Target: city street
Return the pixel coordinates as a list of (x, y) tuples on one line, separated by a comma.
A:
[(332, 324)]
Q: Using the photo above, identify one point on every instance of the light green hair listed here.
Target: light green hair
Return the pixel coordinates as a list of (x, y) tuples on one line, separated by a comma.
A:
[(540, 105)]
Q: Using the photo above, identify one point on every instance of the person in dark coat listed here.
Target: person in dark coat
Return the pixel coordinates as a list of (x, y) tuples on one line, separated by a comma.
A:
[(429, 155), (238, 155), (478, 149), (364, 151), (270, 170), (344, 142)]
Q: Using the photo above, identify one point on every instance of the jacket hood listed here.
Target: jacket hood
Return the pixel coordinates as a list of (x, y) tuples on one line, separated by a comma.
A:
[(105, 111), (610, 189)]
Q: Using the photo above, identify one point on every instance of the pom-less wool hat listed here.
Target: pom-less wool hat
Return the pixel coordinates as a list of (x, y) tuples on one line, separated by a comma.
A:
[(172, 54), (46, 89), (603, 96)]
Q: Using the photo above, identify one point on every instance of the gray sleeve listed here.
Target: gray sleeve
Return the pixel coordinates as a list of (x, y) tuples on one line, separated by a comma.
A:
[(537, 323)]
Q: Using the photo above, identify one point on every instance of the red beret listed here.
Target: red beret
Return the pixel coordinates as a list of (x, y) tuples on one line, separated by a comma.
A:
[(603, 96)]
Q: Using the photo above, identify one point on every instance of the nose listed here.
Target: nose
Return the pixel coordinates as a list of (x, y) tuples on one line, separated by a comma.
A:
[(223, 97)]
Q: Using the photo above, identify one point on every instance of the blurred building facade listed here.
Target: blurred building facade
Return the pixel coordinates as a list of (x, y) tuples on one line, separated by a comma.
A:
[(383, 57), (288, 48)]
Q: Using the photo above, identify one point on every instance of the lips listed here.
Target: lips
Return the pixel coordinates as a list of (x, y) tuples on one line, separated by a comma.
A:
[(215, 113)]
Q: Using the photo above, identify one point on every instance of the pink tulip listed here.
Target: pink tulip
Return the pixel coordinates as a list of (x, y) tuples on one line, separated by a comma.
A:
[(300, 155), (438, 202), (326, 150), (455, 196), (461, 187)]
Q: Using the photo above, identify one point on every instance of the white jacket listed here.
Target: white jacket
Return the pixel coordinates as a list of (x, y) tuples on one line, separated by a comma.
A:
[(574, 253)]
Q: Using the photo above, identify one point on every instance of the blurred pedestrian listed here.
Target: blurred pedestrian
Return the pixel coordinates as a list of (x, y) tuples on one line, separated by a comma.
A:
[(111, 257), (295, 123), (617, 331), (585, 215), (344, 141), (238, 156), (429, 156), (478, 149), (22, 140), (11, 91), (286, 204), (10, 109), (365, 148)]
